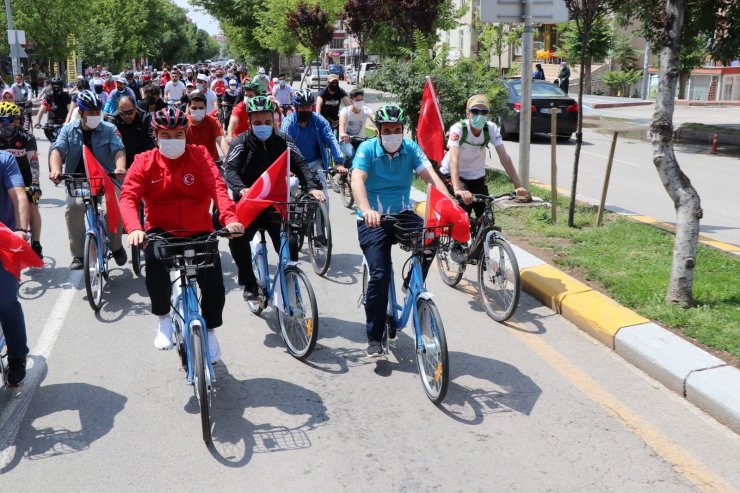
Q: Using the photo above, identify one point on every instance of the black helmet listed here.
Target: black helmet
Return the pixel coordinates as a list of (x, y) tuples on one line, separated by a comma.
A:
[(304, 97), (57, 81), (89, 101)]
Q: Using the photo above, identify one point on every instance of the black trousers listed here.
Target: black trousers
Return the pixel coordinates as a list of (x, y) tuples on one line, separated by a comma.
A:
[(241, 250), (477, 186), (210, 282)]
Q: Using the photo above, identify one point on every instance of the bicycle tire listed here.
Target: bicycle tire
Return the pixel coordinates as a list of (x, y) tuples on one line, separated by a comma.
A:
[(495, 297), (136, 259), (347, 198), (336, 183), (200, 384), (94, 280), (320, 255), (300, 343), (451, 272), (255, 306), (433, 362)]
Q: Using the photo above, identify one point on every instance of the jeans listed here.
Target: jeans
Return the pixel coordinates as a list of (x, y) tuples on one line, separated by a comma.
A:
[(210, 282), (347, 149), (241, 250), (12, 322), (376, 247), (75, 216)]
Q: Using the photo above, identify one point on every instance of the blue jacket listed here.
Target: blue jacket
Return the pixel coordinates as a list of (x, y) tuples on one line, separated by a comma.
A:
[(316, 133), (106, 143), (112, 104)]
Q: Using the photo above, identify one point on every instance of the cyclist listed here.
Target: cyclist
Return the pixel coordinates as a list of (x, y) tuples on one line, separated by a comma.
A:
[(135, 127), (311, 134), (352, 120), (263, 80), (249, 156), (229, 100), (382, 173), (177, 182), (121, 90), (14, 214), (330, 99), (212, 99), (22, 95), (58, 104), (283, 92), (103, 140), (463, 167), (133, 84), (219, 83), (109, 84), (239, 120), (204, 129), (22, 145), (151, 102), (174, 89)]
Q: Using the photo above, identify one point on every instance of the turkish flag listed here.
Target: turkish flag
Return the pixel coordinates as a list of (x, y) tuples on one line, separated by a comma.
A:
[(430, 132), (15, 253), (271, 187), (442, 211), (99, 178)]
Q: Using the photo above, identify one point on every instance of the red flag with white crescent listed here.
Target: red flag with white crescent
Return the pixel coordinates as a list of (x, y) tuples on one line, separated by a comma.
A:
[(16, 254), (270, 187)]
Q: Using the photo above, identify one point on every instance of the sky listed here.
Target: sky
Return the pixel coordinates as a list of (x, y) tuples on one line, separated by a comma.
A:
[(200, 17)]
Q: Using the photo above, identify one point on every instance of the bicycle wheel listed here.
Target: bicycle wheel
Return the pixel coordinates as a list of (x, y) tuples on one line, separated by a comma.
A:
[(347, 199), (255, 306), (498, 279), (136, 259), (299, 324), (93, 277), (432, 361), (336, 183), (200, 379), (319, 240), (450, 271)]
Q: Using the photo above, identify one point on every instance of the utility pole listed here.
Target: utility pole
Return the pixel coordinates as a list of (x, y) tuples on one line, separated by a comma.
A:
[(645, 74), (14, 52), (525, 112)]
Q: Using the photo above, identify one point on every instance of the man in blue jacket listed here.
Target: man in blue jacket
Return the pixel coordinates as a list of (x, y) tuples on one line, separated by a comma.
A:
[(105, 143)]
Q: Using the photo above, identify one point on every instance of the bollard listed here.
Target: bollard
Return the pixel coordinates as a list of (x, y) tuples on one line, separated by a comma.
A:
[(715, 141)]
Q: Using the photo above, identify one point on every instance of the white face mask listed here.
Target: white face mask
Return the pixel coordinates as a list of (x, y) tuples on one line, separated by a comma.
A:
[(201, 87), (172, 148), (198, 115), (92, 121), (358, 104), (391, 143)]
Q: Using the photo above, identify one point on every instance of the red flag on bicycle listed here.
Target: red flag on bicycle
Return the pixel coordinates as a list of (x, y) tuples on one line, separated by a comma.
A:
[(99, 178), (430, 132), (441, 211), (271, 187), (15, 253)]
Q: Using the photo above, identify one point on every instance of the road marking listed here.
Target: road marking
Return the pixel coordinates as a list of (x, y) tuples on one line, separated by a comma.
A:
[(616, 160), (682, 461), (13, 414)]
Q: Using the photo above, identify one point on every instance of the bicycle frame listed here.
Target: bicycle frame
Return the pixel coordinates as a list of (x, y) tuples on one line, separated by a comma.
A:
[(283, 261), (97, 227), (187, 298)]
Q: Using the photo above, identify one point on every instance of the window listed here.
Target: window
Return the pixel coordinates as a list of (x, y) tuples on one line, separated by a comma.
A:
[(336, 43), (462, 40)]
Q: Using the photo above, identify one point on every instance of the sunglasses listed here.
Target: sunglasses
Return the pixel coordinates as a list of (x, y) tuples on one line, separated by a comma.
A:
[(7, 120), (476, 112), (126, 113)]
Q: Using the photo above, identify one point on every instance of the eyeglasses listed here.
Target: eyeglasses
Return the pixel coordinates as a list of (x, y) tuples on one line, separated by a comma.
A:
[(476, 111), (126, 113)]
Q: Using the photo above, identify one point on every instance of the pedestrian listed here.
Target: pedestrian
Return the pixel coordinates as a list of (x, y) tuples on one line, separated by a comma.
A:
[(564, 76), (538, 73), (33, 75)]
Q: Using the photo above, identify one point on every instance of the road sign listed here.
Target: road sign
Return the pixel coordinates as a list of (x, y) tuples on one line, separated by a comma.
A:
[(512, 11), (21, 36), (17, 51)]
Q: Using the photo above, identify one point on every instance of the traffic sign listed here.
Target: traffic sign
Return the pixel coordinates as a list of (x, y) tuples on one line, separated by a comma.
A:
[(512, 11), (17, 51)]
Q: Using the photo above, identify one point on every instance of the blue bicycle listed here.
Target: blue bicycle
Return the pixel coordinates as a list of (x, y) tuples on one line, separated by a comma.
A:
[(431, 344), (185, 257), (3, 361), (97, 241), (289, 291)]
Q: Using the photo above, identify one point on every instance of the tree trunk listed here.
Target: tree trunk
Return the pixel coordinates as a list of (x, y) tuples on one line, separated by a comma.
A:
[(685, 198), (579, 130), (586, 74)]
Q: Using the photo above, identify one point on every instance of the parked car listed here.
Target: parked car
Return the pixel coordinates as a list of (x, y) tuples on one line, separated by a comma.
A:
[(337, 70), (350, 74), (316, 78), (366, 68), (545, 97)]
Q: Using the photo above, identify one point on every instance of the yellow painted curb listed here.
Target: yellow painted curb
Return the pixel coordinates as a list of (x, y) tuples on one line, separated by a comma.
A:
[(598, 315), (550, 285)]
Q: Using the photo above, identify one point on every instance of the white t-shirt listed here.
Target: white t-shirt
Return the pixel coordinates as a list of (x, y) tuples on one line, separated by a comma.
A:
[(356, 121), (283, 95), (211, 97), (472, 154), (175, 91)]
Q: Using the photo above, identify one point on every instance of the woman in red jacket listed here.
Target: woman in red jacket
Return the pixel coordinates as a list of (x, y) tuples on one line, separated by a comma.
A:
[(177, 182)]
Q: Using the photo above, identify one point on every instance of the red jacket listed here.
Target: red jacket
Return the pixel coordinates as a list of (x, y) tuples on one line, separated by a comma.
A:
[(177, 193)]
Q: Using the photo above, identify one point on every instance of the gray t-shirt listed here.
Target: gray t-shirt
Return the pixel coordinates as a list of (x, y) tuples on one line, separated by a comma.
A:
[(21, 92)]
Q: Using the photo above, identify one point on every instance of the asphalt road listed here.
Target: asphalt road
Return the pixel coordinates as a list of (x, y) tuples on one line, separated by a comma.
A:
[(533, 405)]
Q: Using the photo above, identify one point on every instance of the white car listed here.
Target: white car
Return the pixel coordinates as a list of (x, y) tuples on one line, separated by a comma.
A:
[(318, 78)]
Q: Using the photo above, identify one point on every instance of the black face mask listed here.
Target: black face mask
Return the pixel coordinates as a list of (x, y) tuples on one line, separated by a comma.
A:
[(56, 90), (333, 86), (304, 116), (80, 86), (151, 100), (98, 89)]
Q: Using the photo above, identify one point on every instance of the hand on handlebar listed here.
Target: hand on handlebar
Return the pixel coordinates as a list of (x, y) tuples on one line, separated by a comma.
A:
[(341, 169), (237, 229), (318, 195), (136, 237), (371, 217), (37, 125), (345, 138), (55, 176), (465, 196)]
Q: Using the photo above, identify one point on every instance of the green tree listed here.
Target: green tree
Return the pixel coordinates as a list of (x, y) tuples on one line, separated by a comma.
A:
[(312, 27), (597, 48), (622, 53), (495, 38), (272, 31)]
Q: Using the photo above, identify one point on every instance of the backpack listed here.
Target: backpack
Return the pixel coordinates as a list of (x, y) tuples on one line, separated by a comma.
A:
[(486, 134)]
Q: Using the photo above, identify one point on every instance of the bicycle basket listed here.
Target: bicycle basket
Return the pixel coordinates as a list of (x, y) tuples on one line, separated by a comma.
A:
[(83, 186), (177, 255), (297, 213), (410, 236)]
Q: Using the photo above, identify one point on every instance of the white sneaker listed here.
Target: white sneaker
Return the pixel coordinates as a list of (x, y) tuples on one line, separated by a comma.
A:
[(163, 339), (214, 348)]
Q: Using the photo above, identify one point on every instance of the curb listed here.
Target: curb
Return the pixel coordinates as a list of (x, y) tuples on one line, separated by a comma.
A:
[(598, 106), (706, 137), (705, 380)]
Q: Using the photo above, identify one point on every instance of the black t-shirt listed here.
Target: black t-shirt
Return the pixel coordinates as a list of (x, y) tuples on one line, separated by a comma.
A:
[(58, 106), (87, 140), (330, 108), (144, 105)]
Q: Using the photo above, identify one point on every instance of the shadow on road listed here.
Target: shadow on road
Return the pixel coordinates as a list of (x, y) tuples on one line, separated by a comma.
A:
[(122, 283)]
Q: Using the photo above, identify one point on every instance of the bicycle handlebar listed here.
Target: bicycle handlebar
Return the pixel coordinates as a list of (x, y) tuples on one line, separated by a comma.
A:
[(166, 235), (477, 197)]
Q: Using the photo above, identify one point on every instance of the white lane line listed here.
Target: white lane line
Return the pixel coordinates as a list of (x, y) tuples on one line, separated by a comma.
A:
[(13, 414), (636, 165)]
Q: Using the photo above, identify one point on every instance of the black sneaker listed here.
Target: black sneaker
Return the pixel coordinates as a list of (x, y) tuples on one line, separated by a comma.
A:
[(16, 371), (120, 256), (374, 349), (36, 247), (76, 263), (251, 294)]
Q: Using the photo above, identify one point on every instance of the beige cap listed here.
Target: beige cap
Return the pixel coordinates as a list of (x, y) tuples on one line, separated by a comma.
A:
[(332, 77), (478, 100)]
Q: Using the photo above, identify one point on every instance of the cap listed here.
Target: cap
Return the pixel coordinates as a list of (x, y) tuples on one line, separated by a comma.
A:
[(189, 84), (332, 77), (79, 77), (202, 77), (119, 79), (261, 70), (232, 82), (478, 100), (189, 71)]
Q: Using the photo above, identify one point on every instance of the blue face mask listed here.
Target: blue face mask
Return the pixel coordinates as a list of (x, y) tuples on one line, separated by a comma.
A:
[(262, 132), (478, 121)]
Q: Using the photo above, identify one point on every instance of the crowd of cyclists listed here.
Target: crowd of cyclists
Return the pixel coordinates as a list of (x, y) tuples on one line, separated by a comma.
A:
[(163, 134)]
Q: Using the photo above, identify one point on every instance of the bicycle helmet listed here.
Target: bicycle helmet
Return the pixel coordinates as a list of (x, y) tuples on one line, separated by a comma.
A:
[(304, 97), (260, 103), (169, 119), (390, 114), (8, 109), (57, 81), (89, 101), (254, 87)]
